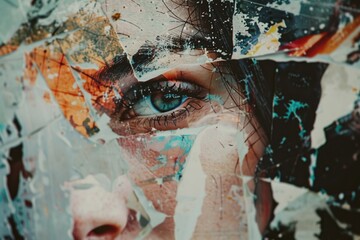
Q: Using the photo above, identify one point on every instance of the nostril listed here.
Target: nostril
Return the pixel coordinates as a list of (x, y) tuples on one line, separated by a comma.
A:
[(106, 230)]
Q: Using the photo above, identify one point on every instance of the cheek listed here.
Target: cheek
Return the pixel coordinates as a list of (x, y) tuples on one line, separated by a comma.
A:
[(219, 151), (156, 165), (223, 207)]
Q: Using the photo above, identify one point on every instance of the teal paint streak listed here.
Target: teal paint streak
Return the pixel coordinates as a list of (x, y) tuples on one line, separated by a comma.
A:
[(277, 99), (184, 142), (293, 107), (292, 111), (312, 167)]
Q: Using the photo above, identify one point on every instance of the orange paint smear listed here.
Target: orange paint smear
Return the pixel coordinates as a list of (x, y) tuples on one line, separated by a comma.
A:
[(6, 49), (330, 44), (61, 82), (323, 43), (303, 45), (102, 97)]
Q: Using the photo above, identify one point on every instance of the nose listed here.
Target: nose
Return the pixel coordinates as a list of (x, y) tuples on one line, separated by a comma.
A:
[(98, 213)]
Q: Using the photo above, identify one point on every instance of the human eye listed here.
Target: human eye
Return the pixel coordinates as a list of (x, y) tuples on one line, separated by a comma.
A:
[(163, 104), (158, 103)]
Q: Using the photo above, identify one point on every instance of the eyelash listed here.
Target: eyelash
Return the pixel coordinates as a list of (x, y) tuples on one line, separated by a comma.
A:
[(142, 90), (192, 91)]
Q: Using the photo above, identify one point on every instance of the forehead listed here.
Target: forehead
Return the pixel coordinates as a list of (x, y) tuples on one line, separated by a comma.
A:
[(162, 29)]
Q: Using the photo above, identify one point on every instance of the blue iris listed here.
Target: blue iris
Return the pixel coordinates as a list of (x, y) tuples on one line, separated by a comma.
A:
[(164, 102)]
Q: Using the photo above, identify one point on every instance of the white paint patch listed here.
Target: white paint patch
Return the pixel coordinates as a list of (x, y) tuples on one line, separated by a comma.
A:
[(293, 7), (285, 193), (240, 26), (13, 14), (337, 85), (190, 195), (301, 205), (253, 227)]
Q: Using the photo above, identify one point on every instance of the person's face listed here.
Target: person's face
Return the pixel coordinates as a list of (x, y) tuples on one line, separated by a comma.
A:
[(185, 130)]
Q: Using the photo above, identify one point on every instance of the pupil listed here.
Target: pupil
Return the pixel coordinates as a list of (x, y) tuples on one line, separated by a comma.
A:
[(164, 102)]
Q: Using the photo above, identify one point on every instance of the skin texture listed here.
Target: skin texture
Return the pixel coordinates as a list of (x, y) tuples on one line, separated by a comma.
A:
[(217, 137), (223, 209)]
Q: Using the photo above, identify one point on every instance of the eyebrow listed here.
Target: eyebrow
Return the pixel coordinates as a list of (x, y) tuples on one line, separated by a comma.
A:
[(122, 67), (147, 52), (119, 68)]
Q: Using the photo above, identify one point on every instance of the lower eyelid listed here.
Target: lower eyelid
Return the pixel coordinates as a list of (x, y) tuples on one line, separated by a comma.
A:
[(173, 113)]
